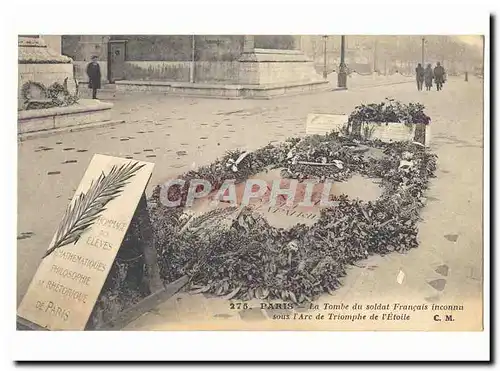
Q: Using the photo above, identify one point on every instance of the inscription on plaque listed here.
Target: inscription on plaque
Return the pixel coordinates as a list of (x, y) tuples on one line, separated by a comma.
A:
[(72, 273)]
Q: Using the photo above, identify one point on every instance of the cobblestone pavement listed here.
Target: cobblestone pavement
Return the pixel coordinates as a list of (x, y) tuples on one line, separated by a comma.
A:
[(180, 133)]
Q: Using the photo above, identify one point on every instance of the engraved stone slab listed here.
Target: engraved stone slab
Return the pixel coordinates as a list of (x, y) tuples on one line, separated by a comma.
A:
[(321, 124), (70, 277), (395, 131)]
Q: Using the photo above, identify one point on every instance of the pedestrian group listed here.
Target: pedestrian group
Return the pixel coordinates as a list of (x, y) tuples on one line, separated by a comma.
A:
[(428, 74)]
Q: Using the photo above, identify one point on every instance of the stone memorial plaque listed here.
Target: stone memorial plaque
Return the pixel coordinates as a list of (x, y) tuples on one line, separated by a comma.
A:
[(399, 132), (391, 132), (321, 124), (70, 277)]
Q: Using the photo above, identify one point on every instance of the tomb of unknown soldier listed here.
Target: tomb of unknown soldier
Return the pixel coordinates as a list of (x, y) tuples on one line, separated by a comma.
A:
[(306, 194)]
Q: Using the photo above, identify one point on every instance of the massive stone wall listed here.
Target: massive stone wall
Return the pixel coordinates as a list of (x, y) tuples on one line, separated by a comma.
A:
[(204, 71), (171, 47), (83, 47), (275, 42), (178, 48), (168, 57)]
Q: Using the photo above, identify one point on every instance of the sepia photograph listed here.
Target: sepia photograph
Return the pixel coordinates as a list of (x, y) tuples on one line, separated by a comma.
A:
[(251, 182)]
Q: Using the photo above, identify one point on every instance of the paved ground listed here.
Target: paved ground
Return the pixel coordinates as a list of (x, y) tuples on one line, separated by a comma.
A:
[(158, 127)]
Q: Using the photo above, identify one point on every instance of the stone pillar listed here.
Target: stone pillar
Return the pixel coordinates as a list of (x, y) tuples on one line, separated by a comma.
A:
[(276, 67), (248, 71)]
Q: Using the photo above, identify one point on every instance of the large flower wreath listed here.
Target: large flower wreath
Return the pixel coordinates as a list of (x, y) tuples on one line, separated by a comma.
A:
[(252, 259)]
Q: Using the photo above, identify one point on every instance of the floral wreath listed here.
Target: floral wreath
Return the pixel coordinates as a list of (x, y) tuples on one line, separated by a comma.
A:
[(26, 88), (253, 259)]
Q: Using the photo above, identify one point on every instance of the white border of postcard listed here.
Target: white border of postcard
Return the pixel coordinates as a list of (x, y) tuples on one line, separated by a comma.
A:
[(257, 16)]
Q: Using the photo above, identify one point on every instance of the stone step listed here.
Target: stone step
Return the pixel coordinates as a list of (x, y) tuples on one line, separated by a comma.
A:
[(104, 87)]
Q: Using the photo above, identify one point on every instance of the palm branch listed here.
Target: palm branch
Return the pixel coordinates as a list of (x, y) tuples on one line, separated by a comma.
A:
[(88, 206)]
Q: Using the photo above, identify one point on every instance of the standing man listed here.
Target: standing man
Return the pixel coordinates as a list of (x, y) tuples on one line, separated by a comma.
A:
[(94, 74), (420, 76), (428, 76), (439, 76)]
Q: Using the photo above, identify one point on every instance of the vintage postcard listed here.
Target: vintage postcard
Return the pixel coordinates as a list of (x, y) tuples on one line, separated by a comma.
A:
[(250, 182)]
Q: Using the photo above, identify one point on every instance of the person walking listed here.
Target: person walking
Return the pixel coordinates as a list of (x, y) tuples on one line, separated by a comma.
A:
[(419, 72), (94, 74), (439, 76), (428, 76)]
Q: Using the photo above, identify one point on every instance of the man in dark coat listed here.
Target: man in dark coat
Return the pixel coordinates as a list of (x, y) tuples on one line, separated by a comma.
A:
[(439, 76), (420, 76), (428, 76), (94, 74)]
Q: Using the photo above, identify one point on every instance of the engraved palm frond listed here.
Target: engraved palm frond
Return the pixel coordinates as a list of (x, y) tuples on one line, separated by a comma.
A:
[(82, 213)]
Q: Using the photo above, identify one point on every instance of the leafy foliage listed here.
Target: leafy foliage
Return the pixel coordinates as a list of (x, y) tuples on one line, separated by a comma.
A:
[(56, 95), (27, 86), (88, 206), (389, 111), (251, 259)]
